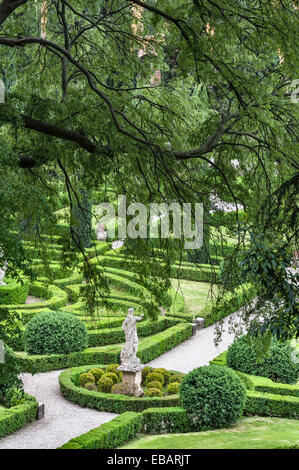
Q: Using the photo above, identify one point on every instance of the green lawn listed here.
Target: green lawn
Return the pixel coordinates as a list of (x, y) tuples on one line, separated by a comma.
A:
[(249, 433), (195, 294)]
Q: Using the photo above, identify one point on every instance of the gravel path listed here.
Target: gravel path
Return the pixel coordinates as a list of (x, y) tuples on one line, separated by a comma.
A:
[(63, 420), (196, 351)]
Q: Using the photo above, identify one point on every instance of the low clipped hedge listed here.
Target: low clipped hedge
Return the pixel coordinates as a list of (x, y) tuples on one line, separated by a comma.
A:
[(149, 348), (267, 404), (109, 402), (55, 298), (59, 332), (14, 292), (12, 419), (109, 435)]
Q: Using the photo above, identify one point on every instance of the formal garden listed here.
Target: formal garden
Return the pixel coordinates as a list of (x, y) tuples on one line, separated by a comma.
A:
[(149, 225)]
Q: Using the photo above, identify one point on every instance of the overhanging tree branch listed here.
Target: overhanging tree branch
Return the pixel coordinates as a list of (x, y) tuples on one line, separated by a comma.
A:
[(7, 7)]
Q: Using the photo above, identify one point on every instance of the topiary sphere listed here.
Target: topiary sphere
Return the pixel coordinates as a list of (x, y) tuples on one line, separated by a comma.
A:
[(112, 368), (155, 384), (90, 386), (105, 385), (166, 373), (55, 333), (277, 364), (175, 378), (173, 388), (97, 373), (85, 378), (112, 376), (213, 396), (153, 392), (145, 371), (152, 376)]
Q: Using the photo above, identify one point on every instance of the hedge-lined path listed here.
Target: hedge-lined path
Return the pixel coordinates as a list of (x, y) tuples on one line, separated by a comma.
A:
[(63, 420)]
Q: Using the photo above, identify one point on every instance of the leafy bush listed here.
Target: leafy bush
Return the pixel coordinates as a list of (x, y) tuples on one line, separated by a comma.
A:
[(85, 378), (90, 386), (9, 372), (112, 368), (97, 373), (213, 396), (166, 373), (175, 378), (153, 392), (277, 364), (173, 388), (153, 376), (112, 376), (105, 385), (145, 371), (155, 384), (55, 333)]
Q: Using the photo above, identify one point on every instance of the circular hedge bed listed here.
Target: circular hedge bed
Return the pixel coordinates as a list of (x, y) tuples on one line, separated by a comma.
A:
[(55, 333), (89, 387), (277, 364), (213, 396)]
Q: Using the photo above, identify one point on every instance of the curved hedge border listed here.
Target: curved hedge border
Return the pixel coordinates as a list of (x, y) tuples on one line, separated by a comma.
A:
[(109, 435), (55, 298), (107, 401), (14, 292), (149, 348), (14, 418)]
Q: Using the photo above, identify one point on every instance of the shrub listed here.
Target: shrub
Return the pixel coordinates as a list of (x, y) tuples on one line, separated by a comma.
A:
[(145, 371), (213, 396), (9, 372), (97, 373), (153, 392), (276, 364), (90, 386), (55, 333), (173, 388), (85, 378), (166, 373), (105, 385), (112, 376), (175, 378), (118, 389), (155, 384), (153, 376), (112, 368)]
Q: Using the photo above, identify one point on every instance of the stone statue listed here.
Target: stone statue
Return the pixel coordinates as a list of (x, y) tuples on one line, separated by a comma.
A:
[(101, 233), (128, 355), (3, 267)]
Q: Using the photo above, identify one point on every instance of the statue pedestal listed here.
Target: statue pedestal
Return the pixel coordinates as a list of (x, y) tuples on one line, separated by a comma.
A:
[(131, 381)]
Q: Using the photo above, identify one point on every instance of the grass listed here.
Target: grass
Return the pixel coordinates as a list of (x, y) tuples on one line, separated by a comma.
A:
[(196, 294), (248, 433)]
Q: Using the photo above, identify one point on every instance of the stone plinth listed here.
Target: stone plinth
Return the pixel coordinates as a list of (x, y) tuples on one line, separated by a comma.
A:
[(131, 382)]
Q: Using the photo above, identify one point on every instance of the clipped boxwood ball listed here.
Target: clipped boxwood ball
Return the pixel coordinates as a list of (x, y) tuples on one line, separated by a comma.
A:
[(277, 364), (173, 388), (105, 385), (175, 378), (152, 376), (155, 384), (55, 333), (166, 373), (153, 392), (112, 368), (112, 376), (86, 378), (213, 396), (145, 371), (90, 386), (97, 373)]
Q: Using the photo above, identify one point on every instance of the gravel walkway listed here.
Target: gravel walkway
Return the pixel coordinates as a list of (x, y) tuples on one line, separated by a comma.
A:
[(65, 420)]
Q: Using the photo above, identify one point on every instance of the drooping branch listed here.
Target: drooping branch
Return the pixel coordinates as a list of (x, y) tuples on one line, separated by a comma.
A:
[(7, 7)]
